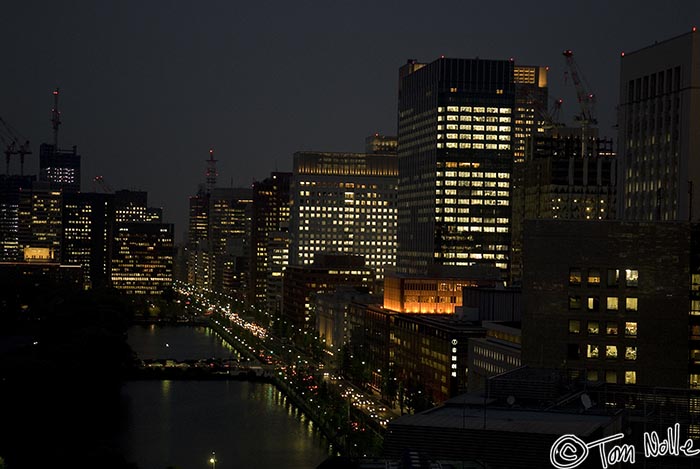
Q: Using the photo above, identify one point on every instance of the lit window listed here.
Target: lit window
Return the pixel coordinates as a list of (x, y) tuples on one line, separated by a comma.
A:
[(630, 377), (592, 303), (593, 328), (593, 278), (592, 351), (611, 328), (695, 307), (631, 277), (631, 304), (613, 277), (612, 303), (611, 351), (630, 353), (574, 276), (611, 377)]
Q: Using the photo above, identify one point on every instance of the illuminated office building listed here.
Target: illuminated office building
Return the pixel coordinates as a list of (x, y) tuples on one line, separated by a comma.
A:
[(455, 133), (531, 95), (271, 201), (131, 206), (11, 186), (60, 167), (88, 221), (40, 220), (230, 211), (198, 271), (142, 258), (344, 203), (377, 143), (277, 261), (658, 122)]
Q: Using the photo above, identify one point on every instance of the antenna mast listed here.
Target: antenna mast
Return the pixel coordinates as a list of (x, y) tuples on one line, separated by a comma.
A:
[(55, 119), (211, 171)]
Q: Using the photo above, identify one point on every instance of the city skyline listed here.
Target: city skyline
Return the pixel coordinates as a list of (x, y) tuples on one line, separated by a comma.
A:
[(145, 93)]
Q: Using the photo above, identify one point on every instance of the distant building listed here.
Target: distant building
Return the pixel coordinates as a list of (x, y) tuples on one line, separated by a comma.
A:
[(658, 118), (372, 339), (198, 269), (344, 203), (230, 211), (277, 262), (381, 144), (613, 301), (11, 187), (325, 274), (88, 223), (60, 168), (142, 258), (39, 219), (492, 304), (270, 214), (131, 206), (330, 310)]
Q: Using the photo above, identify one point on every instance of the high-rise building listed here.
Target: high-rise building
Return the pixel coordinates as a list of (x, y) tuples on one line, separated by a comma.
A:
[(344, 203), (659, 142), (142, 258), (455, 133), (88, 222), (131, 206), (230, 211), (60, 167), (11, 187), (198, 271), (271, 202), (377, 143), (531, 95), (277, 261), (40, 220)]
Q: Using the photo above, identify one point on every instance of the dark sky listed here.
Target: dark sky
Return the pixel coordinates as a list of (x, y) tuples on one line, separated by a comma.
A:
[(148, 86)]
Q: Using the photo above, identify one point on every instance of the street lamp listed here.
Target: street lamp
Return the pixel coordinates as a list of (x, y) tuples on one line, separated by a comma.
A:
[(212, 460)]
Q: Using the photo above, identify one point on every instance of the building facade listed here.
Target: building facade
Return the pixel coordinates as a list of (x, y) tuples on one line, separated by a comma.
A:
[(455, 133), (344, 203), (271, 206), (60, 167), (659, 145), (610, 301)]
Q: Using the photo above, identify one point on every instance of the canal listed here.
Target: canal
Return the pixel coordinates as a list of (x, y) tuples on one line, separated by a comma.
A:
[(180, 423)]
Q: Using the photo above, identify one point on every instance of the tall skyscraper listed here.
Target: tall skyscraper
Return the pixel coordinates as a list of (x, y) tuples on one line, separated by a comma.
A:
[(344, 203), (197, 240), (659, 141), (230, 211), (455, 131), (88, 222), (271, 202)]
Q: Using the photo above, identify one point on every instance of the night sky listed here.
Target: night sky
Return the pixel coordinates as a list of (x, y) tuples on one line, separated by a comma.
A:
[(147, 87)]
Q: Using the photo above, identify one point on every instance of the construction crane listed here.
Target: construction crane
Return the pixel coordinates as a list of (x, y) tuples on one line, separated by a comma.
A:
[(586, 99), (100, 181), (10, 140)]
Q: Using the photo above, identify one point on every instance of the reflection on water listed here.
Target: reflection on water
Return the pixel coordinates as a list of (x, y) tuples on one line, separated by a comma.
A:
[(180, 423)]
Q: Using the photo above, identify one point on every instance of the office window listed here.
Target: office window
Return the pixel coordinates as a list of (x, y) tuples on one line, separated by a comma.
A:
[(611, 328), (630, 353), (613, 278), (593, 278), (611, 304), (593, 328), (610, 376), (572, 352), (631, 329), (695, 307), (611, 351), (631, 277), (592, 303), (630, 377), (575, 276), (631, 304), (592, 375), (574, 302), (592, 351), (574, 326)]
